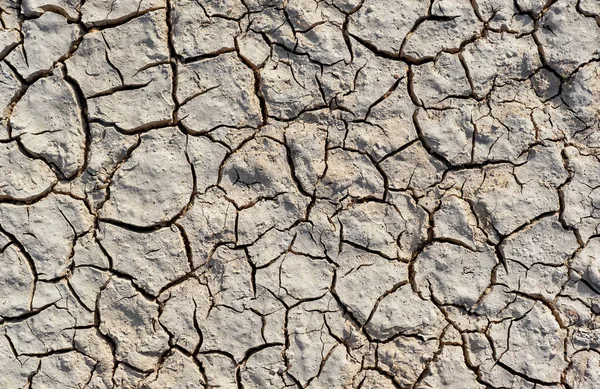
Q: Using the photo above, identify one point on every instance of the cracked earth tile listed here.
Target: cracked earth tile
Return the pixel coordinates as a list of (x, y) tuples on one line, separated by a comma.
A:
[(338, 370), (271, 245), (281, 277), (563, 123), (61, 295), (263, 369), (281, 212), (17, 282), (45, 40), (535, 346), (137, 45), (581, 193), (228, 276), (404, 313), (499, 303), (90, 343), (67, 8), (320, 235), (389, 126), (206, 156), (581, 93), (9, 86), (406, 357), (449, 370), (87, 251), (9, 39), (497, 58), (433, 82), (513, 16), (506, 129), (49, 330), (455, 222), (253, 48), (177, 371), (89, 65), (289, 84), (586, 264), (182, 305), (529, 190), (108, 12), (10, 16), (535, 280), (52, 371), (545, 241), (152, 259), (126, 376), (454, 274), (48, 122), (448, 133), (107, 149), (155, 184), (47, 230), (216, 35), (234, 9), (349, 174), (232, 137), (271, 23), (446, 28), (324, 43), (567, 38), (413, 168), (305, 14), (219, 370), (146, 105), (86, 283), (584, 370), (359, 86), (375, 380), (258, 170), (574, 313), (16, 372), (129, 319), (355, 277), (310, 341), (217, 92), (393, 230), (105, 62), (384, 24), (244, 328), (209, 222), (24, 178), (307, 142)]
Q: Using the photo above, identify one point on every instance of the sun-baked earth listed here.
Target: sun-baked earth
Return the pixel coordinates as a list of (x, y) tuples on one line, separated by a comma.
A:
[(325, 194)]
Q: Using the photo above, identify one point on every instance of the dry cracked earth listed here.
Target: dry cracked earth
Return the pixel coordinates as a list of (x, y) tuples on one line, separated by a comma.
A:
[(372, 194)]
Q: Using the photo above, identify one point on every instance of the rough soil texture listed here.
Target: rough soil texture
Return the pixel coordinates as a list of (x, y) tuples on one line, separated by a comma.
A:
[(374, 194)]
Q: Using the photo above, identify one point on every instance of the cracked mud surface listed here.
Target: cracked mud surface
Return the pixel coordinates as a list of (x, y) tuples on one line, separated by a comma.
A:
[(300, 194)]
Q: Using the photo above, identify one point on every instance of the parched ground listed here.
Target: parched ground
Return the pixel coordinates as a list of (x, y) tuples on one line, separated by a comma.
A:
[(372, 194)]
